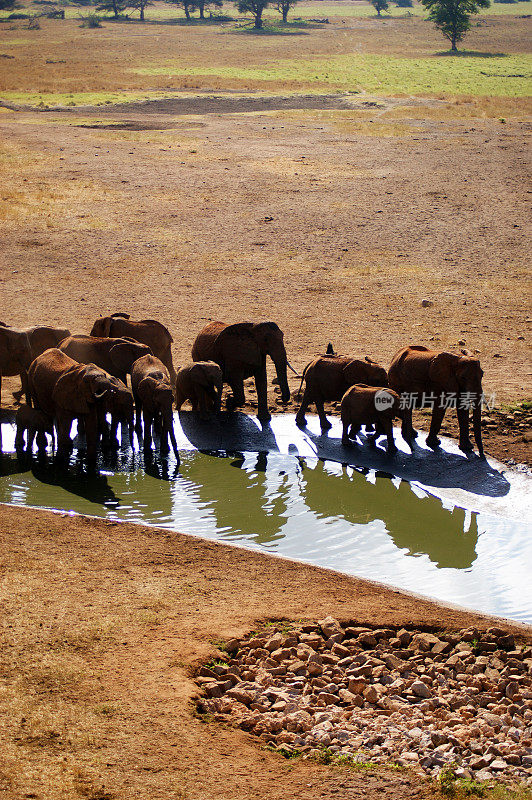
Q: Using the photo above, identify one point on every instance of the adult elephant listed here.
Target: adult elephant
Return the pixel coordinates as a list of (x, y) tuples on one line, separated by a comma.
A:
[(115, 356), (67, 390), (15, 356), (147, 331), (154, 399), (240, 350), (19, 346), (439, 380), (327, 378)]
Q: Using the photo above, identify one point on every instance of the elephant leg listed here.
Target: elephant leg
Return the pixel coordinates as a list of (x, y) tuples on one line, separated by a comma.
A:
[(388, 430), (92, 436), (438, 414), (325, 425), (354, 431), (138, 414), (301, 422), (42, 441), (466, 445), (261, 384), (113, 439), (147, 420), (63, 425), (237, 398), (19, 438), (346, 441), (203, 402), (407, 431), (164, 446)]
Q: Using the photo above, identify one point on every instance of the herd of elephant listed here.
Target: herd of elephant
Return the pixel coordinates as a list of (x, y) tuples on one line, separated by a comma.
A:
[(85, 377)]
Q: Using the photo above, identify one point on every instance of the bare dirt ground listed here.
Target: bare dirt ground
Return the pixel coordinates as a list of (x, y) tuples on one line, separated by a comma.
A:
[(103, 628), (334, 223)]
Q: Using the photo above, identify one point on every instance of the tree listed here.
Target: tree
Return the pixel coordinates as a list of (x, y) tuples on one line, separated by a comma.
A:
[(255, 7), (188, 6), (140, 5), (452, 17), (201, 5), (284, 6), (379, 5), (116, 6), (6, 4)]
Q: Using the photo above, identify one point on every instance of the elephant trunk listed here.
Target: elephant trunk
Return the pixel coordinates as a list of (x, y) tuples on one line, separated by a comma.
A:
[(131, 428), (174, 443), (280, 368), (477, 430), (218, 397)]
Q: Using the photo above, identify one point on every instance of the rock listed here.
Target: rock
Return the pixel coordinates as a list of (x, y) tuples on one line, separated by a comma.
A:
[(340, 650), (232, 645), (330, 626), (348, 697), (512, 689), (426, 303), (420, 689), (297, 667), (498, 764), (357, 685), (213, 690), (371, 694), (314, 669), (367, 640), (424, 641), (440, 647), (241, 695), (392, 662), (274, 643)]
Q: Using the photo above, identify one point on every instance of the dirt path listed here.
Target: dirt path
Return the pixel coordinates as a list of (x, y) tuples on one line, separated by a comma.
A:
[(103, 627)]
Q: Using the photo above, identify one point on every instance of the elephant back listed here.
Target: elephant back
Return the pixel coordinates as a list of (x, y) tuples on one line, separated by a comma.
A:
[(204, 348)]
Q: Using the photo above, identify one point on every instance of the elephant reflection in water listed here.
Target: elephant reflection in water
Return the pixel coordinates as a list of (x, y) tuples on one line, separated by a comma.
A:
[(248, 496), (415, 524)]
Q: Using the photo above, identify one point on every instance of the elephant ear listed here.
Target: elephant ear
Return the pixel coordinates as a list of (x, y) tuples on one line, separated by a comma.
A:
[(354, 371), (236, 343), (71, 392), (124, 353), (102, 327), (200, 375), (442, 371)]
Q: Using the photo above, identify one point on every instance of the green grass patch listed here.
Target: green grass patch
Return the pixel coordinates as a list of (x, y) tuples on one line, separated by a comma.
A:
[(478, 75)]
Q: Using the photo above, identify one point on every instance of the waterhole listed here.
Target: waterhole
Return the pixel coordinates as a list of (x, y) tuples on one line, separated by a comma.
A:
[(437, 524)]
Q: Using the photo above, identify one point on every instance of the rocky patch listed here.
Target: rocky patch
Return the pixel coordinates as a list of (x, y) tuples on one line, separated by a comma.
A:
[(405, 696)]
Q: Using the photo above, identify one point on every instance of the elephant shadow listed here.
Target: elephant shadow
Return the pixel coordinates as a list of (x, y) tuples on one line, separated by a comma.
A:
[(228, 432), (437, 468), (415, 524), (90, 485)]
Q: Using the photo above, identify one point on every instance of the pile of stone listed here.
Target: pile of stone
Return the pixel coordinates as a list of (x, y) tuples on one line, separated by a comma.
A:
[(403, 696)]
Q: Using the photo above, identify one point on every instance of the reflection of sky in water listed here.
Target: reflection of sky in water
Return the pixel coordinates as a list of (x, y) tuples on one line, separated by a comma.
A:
[(355, 521)]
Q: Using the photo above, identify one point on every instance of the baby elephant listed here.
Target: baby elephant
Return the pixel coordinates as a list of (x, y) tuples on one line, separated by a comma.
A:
[(201, 383), (34, 422), (366, 405), (154, 397)]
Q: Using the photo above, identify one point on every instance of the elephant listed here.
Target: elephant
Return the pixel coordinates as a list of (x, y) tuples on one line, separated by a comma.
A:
[(65, 390), (240, 350), (327, 378), (119, 404), (154, 397), (367, 405), (147, 331), (18, 348), (115, 356), (200, 382), (15, 357), (34, 422), (431, 378)]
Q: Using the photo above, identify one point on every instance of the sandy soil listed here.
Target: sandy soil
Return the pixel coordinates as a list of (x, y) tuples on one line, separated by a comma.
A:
[(104, 626)]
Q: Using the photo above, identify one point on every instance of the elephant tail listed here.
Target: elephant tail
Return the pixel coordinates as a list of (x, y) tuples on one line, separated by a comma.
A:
[(298, 393)]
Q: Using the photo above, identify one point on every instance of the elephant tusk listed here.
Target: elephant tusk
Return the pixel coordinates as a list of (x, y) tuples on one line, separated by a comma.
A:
[(293, 370)]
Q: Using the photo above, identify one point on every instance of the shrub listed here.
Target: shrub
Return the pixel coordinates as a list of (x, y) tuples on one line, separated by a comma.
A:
[(90, 21)]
